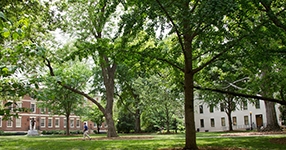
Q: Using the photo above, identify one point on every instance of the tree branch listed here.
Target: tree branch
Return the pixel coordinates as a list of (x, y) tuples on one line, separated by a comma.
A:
[(48, 64), (272, 16), (174, 25), (242, 95)]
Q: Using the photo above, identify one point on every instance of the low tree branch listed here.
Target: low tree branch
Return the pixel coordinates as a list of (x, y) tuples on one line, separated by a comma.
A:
[(272, 16), (48, 64), (243, 95)]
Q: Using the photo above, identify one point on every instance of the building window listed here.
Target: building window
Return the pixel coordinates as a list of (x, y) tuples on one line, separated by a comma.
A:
[(72, 123), (42, 110), (18, 122), (222, 107), (57, 122), (211, 109), (65, 122), (257, 104), (77, 123), (9, 122), (202, 123), (33, 108), (201, 109), (94, 125), (223, 121), (50, 122), (246, 122), (244, 105), (234, 122), (212, 123), (0, 121), (43, 122)]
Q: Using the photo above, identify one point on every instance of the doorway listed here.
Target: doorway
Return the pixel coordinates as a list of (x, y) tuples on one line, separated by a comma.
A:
[(259, 121)]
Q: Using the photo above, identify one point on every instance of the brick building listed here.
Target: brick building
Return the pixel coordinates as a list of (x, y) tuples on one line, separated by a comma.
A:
[(44, 121)]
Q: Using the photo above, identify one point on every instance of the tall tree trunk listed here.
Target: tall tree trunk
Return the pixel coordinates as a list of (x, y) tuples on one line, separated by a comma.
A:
[(167, 119), (137, 120), (271, 118), (67, 124), (137, 114), (111, 132), (229, 121), (108, 72), (271, 124), (229, 109), (189, 113)]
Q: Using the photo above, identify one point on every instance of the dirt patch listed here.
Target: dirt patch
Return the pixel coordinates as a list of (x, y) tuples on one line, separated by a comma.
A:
[(207, 148), (119, 138), (278, 140), (252, 133)]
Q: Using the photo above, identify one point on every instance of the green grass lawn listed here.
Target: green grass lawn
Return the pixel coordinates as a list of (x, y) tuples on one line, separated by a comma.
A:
[(137, 142)]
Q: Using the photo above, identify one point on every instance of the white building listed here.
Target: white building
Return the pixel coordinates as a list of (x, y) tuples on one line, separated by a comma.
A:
[(215, 118)]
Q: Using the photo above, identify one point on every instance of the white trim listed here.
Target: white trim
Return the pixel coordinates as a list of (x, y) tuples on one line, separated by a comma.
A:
[(33, 108), (77, 123), (18, 122), (44, 121), (65, 122), (11, 122), (50, 124), (59, 120), (71, 122)]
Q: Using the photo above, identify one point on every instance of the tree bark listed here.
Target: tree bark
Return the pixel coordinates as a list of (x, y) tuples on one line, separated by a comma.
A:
[(271, 124), (111, 132), (167, 119), (67, 124), (137, 121), (190, 143), (108, 72), (229, 121), (189, 113), (271, 118)]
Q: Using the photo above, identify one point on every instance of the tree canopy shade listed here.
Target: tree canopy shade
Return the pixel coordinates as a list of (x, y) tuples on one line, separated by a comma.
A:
[(206, 31)]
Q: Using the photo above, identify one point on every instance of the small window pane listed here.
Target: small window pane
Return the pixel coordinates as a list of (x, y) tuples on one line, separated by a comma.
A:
[(246, 122), (223, 121), (212, 122), (201, 109), (43, 120), (50, 122), (202, 123), (211, 109), (234, 121)]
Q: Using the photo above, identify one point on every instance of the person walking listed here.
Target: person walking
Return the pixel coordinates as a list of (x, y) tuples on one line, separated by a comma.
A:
[(85, 132)]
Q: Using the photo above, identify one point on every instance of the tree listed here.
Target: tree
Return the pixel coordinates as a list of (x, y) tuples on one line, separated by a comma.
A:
[(94, 40), (161, 100), (125, 122), (17, 22), (59, 100), (283, 114), (205, 32)]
